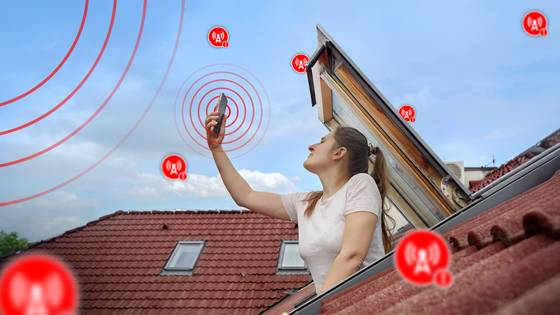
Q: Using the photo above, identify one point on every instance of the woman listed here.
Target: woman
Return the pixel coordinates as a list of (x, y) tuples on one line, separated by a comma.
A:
[(341, 228)]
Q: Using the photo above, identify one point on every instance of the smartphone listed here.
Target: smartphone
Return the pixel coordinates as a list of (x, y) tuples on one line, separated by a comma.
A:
[(221, 113)]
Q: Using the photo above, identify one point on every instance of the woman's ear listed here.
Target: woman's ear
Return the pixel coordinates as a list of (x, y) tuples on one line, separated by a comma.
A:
[(339, 152)]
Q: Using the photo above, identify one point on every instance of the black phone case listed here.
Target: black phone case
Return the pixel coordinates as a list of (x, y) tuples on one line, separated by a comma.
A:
[(219, 124), (222, 109)]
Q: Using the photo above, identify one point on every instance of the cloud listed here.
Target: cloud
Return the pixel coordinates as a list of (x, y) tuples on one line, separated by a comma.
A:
[(150, 186), (48, 216), (298, 115), (60, 224), (267, 181)]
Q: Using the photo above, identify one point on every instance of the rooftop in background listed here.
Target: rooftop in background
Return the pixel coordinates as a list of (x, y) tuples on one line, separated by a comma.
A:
[(548, 142), (119, 259)]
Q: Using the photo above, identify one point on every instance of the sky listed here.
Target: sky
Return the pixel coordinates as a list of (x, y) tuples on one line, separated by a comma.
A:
[(481, 88)]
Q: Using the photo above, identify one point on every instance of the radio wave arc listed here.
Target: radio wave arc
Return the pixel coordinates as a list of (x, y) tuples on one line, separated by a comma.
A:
[(79, 86), (60, 64)]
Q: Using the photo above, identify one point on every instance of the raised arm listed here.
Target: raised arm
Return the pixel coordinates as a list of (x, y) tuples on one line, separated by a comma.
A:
[(265, 203)]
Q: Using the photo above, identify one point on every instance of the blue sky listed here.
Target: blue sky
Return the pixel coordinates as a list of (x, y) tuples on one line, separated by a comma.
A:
[(481, 87)]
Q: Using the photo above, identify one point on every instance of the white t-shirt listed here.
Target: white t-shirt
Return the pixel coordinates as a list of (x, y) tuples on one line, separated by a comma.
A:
[(320, 235)]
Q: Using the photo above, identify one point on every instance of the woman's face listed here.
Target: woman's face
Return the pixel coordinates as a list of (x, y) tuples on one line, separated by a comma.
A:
[(320, 154)]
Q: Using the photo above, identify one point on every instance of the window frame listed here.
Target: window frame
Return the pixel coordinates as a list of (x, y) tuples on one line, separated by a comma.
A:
[(169, 270), (433, 192), (289, 270)]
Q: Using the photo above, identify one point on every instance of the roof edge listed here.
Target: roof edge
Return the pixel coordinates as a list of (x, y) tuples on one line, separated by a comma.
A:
[(126, 212)]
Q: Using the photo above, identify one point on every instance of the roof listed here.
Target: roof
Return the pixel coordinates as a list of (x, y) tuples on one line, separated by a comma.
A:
[(548, 142), (118, 260), (506, 260)]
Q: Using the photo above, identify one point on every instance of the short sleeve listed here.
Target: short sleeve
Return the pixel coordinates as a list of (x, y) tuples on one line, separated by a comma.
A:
[(363, 195), (291, 202)]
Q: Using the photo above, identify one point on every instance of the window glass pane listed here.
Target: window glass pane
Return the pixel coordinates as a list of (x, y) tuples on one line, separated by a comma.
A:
[(407, 186), (396, 214), (291, 258), (185, 256)]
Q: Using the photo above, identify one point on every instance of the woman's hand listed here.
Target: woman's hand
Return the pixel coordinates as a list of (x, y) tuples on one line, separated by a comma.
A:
[(214, 140)]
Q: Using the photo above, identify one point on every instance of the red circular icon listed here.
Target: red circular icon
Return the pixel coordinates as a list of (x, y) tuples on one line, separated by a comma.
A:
[(38, 284), (174, 166), (299, 63), (535, 23), (419, 257), (218, 36), (407, 113), (443, 278)]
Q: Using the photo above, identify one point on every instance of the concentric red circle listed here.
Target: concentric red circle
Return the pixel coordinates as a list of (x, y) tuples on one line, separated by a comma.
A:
[(78, 87), (228, 109), (227, 89), (197, 76), (242, 100), (125, 137), (115, 88), (60, 64), (244, 113)]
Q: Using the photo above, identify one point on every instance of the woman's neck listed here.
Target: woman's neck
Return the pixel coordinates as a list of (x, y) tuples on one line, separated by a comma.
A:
[(332, 183)]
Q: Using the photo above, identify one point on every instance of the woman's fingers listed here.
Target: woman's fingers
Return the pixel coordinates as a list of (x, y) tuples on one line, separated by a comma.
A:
[(211, 117), (212, 120)]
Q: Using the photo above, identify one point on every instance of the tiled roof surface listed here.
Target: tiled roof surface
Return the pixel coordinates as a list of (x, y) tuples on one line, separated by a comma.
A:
[(506, 261), (118, 260), (549, 141), (287, 304)]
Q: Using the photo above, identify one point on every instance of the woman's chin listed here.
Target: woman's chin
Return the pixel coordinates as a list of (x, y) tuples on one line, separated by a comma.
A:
[(308, 166)]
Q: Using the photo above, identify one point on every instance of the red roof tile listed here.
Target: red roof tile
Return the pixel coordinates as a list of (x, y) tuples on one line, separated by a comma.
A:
[(507, 167), (286, 304), (118, 260), (503, 260)]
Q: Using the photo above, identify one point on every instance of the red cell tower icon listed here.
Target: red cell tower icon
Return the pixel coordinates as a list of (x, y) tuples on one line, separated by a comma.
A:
[(37, 285), (535, 23), (174, 166), (422, 257), (36, 297), (299, 63), (407, 112), (218, 37)]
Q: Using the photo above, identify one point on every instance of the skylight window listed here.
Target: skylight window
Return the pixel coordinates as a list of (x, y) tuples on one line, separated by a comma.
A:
[(184, 258), (422, 187), (290, 261)]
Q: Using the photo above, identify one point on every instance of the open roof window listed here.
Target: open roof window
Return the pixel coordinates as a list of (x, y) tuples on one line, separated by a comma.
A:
[(184, 257), (422, 188), (289, 260)]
